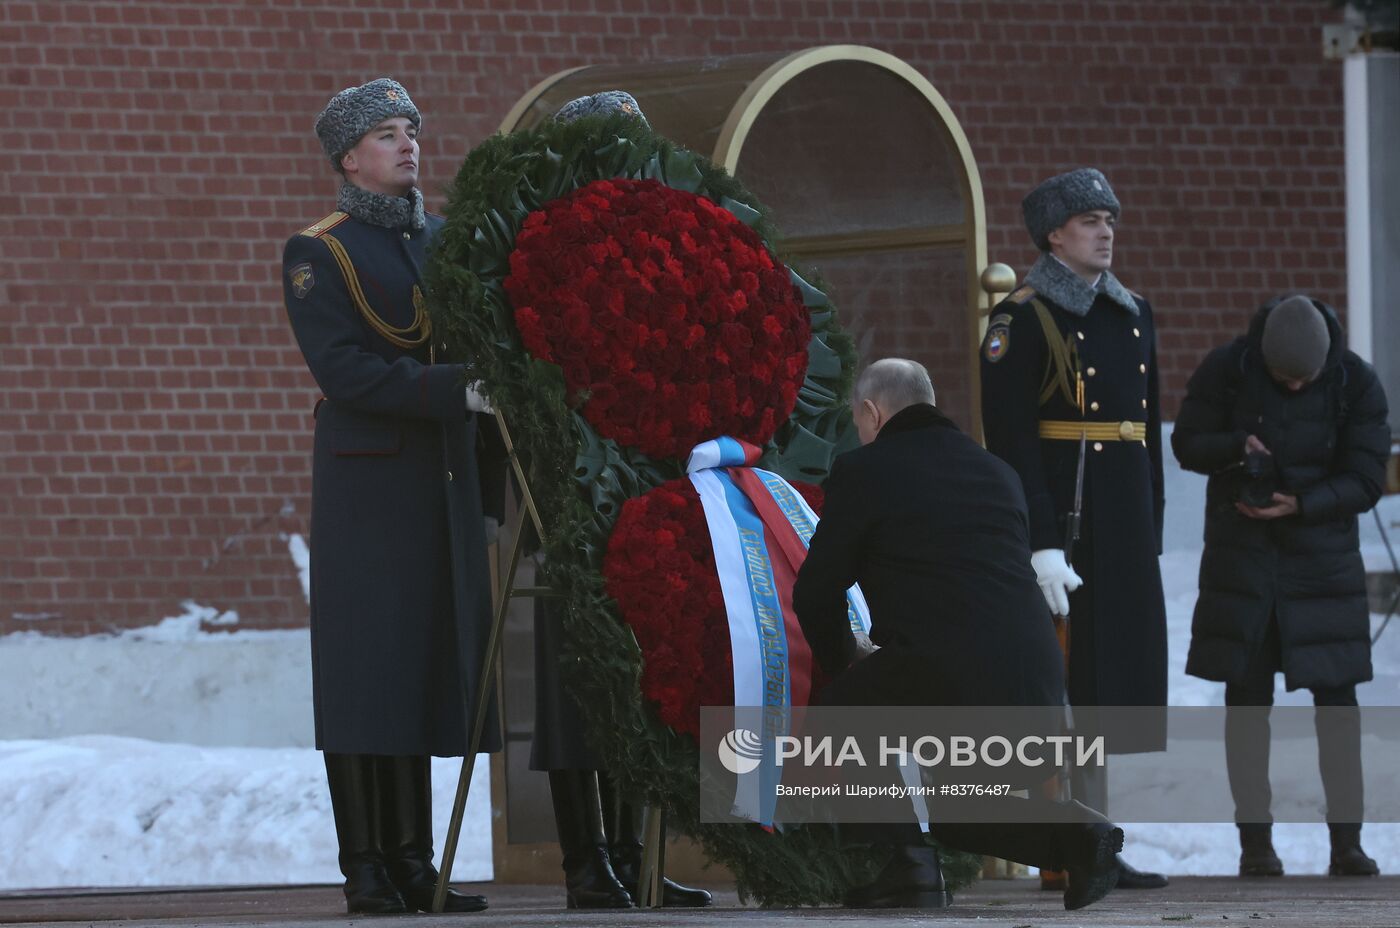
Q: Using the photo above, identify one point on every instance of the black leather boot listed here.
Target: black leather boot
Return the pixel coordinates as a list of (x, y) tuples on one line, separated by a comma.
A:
[(620, 823), (589, 880), (369, 889), (1257, 856), (406, 807), (1348, 859), (912, 879)]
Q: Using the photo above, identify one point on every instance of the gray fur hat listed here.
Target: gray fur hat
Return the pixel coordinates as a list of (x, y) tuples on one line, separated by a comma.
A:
[(356, 110), (1295, 341), (601, 104), (1061, 198)]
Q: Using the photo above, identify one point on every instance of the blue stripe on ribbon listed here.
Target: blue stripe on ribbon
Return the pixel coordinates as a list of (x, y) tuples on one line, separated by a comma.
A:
[(731, 453), (772, 638)]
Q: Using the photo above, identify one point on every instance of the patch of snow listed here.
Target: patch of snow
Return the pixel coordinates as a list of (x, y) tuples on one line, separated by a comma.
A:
[(107, 811)]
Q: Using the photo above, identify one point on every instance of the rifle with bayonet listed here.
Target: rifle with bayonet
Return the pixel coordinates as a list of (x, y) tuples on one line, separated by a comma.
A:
[(1072, 521)]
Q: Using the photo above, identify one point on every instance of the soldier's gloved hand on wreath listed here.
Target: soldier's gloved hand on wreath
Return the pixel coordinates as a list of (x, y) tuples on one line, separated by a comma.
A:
[(477, 401), (1056, 578)]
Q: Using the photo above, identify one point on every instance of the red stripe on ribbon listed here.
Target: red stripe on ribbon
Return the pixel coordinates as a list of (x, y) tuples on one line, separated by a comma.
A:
[(786, 553)]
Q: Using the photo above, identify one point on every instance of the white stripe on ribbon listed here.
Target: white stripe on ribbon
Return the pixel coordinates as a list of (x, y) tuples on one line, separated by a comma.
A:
[(729, 563), (738, 606), (717, 452)]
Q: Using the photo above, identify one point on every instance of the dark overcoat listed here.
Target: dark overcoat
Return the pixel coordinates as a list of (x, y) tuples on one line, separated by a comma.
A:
[(934, 530), (1118, 633), (400, 589), (1329, 444)]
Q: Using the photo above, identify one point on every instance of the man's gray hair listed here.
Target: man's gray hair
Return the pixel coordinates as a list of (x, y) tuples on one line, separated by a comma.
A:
[(894, 384)]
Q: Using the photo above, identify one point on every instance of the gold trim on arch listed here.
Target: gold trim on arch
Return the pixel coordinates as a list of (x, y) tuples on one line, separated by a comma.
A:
[(763, 88), (512, 120)]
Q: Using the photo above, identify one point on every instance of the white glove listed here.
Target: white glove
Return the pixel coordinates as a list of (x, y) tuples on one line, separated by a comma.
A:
[(1056, 579), (477, 401)]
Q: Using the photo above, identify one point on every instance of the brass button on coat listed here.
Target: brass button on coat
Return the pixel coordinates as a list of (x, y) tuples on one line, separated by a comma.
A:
[(1142, 368), (1081, 335), (1137, 333), (1098, 446), (1091, 372), (1125, 431), (449, 475), (1094, 406)]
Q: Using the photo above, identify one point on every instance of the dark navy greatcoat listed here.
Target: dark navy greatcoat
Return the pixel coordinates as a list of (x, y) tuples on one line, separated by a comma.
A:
[(1118, 634), (400, 589)]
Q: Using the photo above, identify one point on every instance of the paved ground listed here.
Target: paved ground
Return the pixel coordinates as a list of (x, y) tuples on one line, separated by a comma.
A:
[(1291, 902)]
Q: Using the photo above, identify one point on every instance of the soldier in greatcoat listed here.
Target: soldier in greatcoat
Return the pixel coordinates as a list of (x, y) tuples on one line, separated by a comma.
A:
[(1074, 353), (400, 594)]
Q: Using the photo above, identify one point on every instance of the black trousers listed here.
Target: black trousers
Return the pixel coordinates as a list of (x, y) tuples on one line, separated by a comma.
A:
[(894, 676), (1247, 736)]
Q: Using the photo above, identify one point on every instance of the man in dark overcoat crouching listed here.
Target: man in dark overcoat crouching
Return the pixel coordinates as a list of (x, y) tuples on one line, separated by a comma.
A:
[(934, 530)]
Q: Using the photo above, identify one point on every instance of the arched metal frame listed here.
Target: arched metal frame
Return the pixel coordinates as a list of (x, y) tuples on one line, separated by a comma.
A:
[(750, 83)]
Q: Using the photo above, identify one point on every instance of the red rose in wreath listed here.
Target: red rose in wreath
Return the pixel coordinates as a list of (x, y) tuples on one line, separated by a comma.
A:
[(660, 568), (671, 321)]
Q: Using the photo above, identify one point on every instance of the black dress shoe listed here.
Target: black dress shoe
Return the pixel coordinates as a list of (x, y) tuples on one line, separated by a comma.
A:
[(1129, 877), (912, 879), (1092, 866), (369, 891)]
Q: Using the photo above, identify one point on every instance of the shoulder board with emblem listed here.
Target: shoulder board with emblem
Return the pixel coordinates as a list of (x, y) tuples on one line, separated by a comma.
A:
[(1021, 295), (317, 229)]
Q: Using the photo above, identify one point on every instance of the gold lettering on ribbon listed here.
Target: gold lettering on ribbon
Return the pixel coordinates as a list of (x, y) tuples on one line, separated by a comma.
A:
[(770, 623)]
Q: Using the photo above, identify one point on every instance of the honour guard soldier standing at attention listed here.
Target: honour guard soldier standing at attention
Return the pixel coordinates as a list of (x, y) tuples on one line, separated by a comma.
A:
[(1069, 374), (400, 594)]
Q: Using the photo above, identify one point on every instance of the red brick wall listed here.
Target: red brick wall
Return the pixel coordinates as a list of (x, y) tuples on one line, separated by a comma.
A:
[(154, 411)]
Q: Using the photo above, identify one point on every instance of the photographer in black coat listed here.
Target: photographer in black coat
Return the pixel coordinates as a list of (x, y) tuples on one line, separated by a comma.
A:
[(1291, 427)]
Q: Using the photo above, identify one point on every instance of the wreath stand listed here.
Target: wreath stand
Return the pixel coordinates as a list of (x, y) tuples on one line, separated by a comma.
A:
[(653, 818)]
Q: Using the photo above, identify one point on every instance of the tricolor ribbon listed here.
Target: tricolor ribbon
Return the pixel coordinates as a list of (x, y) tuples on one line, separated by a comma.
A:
[(760, 528)]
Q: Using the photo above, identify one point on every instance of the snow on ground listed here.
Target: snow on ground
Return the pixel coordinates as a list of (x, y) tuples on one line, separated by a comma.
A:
[(98, 810), (179, 754)]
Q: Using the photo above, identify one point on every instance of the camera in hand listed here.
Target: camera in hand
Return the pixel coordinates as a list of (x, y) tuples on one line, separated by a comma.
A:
[(1260, 480)]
